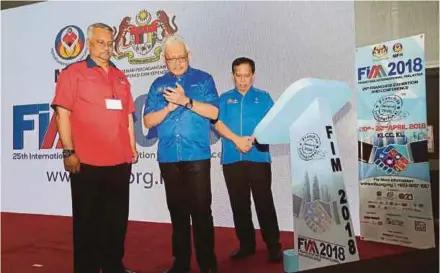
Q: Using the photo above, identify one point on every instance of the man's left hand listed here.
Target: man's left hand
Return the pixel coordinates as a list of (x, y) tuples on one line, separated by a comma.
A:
[(176, 95)]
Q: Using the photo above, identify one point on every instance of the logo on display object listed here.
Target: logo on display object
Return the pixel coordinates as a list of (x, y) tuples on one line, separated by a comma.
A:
[(380, 52), (309, 147), (389, 108), (317, 216), (392, 159), (397, 48), (69, 45), (139, 40)]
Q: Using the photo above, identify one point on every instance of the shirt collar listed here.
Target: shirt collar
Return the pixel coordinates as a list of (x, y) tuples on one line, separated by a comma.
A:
[(91, 63), (187, 73), (251, 89)]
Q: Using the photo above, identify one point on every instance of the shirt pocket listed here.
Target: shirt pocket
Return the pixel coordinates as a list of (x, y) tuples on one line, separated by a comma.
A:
[(233, 115), (195, 92), (158, 99), (90, 90), (121, 91)]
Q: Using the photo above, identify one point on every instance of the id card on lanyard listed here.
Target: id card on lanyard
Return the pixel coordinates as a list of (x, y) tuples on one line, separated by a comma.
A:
[(113, 104)]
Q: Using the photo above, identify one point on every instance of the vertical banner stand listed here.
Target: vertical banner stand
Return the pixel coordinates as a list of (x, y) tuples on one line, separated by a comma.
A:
[(302, 117)]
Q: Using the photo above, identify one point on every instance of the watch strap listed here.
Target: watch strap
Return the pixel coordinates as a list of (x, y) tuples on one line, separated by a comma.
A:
[(67, 153), (189, 104)]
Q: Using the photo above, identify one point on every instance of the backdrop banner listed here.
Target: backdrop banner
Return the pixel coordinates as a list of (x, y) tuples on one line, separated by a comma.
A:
[(278, 36), (394, 189)]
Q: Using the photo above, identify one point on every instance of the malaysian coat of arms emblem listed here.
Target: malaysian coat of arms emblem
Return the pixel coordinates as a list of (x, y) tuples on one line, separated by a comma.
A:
[(139, 41)]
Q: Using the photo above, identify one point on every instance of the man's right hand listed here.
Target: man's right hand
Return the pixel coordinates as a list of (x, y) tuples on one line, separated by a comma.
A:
[(72, 163), (243, 144)]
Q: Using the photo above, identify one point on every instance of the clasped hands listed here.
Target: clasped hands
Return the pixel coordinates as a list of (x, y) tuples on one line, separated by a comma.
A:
[(244, 143), (175, 97)]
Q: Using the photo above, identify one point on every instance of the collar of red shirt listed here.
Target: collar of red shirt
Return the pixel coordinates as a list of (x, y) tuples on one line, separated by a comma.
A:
[(91, 63)]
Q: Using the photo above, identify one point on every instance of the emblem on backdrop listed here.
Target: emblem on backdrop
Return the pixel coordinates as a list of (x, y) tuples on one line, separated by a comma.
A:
[(398, 50), (380, 52), (69, 45), (139, 39)]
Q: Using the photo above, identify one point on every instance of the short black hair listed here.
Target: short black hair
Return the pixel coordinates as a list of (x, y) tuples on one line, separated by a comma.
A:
[(243, 60)]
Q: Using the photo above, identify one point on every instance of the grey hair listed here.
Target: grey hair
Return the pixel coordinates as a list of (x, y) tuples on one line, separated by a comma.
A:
[(98, 25), (173, 39)]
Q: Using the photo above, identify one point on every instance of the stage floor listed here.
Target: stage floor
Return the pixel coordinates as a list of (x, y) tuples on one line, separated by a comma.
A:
[(43, 244)]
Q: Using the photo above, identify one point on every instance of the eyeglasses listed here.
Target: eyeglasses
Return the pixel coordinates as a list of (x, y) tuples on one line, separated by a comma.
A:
[(183, 59), (103, 44)]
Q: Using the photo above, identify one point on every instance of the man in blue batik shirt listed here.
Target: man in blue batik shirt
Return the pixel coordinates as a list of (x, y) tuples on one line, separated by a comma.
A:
[(247, 164), (181, 104)]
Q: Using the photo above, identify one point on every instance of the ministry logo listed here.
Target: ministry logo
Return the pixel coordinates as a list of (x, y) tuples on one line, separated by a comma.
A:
[(139, 40), (69, 45)]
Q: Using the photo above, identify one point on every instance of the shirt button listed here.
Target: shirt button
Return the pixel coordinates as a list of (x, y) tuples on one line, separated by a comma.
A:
[(177, 119), (177, 135)]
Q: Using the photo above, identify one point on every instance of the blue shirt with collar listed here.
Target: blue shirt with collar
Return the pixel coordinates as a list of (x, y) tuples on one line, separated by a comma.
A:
[(241, 114), (183, 135)]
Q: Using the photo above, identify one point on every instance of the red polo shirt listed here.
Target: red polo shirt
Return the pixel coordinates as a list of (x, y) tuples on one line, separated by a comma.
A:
[(100, 135)]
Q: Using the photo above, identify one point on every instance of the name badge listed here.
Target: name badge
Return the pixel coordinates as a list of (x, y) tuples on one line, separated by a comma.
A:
[(113, 104)]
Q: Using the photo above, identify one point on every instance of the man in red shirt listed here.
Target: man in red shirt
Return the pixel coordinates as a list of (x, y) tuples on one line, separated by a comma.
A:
[(94, 112)]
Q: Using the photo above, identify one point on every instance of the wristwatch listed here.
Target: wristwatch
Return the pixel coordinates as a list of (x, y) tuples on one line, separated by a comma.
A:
[(189, 104), (67, 153)]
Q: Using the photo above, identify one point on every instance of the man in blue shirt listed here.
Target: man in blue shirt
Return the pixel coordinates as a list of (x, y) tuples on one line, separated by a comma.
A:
[(247, 164), (181, 104)]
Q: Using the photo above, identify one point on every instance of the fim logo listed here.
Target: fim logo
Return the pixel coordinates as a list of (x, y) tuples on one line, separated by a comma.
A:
[(307, 245), (374, 72), (139, 41), (46, 126), (319, 250)]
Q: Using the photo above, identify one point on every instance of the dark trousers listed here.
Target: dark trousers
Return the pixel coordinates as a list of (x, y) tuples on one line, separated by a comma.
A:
[(242, 178), (100, 203), (188, 193)]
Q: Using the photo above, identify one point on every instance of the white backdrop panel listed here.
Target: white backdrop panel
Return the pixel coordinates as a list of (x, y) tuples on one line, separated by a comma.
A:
[(288, 41)]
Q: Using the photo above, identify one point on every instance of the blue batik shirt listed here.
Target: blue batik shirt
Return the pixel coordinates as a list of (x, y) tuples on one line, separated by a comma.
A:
[(241, 114), (183, 135)]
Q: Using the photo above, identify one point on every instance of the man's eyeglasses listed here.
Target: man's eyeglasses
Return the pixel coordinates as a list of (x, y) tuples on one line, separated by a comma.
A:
[(103, 44), (177, 59)]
